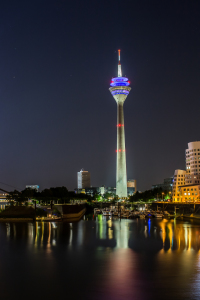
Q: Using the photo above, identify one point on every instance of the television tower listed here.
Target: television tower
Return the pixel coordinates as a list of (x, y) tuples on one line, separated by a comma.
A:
[(120, 89)]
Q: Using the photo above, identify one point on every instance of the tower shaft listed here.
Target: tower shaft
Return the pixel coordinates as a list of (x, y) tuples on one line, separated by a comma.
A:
[(121, 177)]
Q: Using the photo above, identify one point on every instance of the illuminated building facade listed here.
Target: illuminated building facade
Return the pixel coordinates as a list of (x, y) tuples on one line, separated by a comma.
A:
[(179, 180), (192, 163), (188, 188), (190, 192), (120, 89), (83, 179)]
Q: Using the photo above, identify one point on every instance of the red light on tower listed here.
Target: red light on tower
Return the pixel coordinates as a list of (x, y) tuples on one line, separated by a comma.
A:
[(120, 150)]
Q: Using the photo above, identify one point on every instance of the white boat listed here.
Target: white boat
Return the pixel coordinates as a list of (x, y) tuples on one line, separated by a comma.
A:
[(158, 215), (142, 216), (107, 213), (166, 214)]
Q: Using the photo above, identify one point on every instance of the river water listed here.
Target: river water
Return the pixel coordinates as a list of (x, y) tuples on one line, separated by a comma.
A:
[(100, 258)]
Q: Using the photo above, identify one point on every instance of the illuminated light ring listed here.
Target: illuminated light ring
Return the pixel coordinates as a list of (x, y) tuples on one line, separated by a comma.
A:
[(120, 84), (120, 150), (119, 79), (116, 92)]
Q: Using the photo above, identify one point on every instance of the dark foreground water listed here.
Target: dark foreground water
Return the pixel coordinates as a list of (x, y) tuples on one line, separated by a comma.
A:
[(100, 258)]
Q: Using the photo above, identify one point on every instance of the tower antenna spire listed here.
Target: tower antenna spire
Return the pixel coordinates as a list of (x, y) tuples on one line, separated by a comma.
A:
[(119, 65), (119, 55)]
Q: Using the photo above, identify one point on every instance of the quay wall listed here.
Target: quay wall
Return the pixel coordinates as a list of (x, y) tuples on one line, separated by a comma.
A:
[(181, 208)]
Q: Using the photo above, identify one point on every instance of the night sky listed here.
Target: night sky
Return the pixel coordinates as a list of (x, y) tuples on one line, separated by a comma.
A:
[(57, 115)]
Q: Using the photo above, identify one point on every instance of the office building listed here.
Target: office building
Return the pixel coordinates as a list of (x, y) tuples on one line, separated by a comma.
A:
[(83, 179), (186, 184), (190, 192), (131, 187), (165, 186), (179, 180), (192, 156)]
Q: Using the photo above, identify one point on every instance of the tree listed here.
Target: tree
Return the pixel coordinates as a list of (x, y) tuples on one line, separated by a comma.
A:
[(15, 196)]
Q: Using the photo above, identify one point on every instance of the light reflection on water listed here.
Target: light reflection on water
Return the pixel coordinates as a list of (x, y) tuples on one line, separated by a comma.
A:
[(109, 258), (170, 235)]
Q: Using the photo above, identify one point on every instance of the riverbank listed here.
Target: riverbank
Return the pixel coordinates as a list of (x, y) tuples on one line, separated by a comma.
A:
[(69, 213)]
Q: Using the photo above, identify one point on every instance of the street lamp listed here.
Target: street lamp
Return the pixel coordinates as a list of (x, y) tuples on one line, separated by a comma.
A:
[(170, 195), (163, 202), (162, 196)]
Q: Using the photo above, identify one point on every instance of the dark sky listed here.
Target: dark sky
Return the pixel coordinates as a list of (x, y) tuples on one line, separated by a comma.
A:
[(57, 115)]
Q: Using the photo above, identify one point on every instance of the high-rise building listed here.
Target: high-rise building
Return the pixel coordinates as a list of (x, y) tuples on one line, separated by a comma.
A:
[(83, 179), (120, 89), (192, 157), (186, 184)]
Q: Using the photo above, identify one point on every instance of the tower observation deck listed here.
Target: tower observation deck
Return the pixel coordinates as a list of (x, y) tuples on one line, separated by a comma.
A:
[(120, 89)]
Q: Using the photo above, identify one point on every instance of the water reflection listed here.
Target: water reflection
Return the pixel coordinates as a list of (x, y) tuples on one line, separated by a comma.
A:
[(109, 258), (154, 235)]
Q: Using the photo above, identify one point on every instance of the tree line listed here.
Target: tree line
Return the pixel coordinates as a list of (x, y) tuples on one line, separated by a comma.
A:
[(59, 194), (157, 193)]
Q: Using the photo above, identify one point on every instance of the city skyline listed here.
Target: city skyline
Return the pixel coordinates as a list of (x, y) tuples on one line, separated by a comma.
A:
[(57, 115)]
